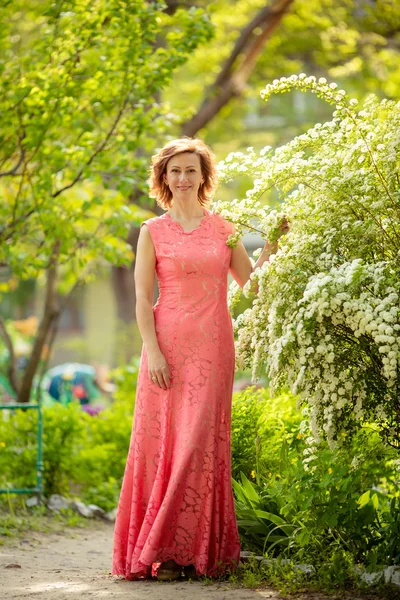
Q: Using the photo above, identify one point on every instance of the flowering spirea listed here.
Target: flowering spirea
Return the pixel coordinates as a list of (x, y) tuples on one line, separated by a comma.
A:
[(326, 318)]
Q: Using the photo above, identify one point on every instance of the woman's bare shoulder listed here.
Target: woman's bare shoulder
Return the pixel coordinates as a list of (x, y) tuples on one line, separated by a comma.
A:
[(153, 221)]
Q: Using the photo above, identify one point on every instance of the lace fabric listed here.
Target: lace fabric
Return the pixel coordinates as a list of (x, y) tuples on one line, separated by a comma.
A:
[(176, 499)]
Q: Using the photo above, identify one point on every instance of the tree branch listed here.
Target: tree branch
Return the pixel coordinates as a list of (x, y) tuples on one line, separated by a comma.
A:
[(241, 43), (173, 5), (97, 151), (14, 169), (228, 85)]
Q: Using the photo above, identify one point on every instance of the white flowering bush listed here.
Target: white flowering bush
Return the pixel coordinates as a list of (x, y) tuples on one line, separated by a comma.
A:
[(326, 318)]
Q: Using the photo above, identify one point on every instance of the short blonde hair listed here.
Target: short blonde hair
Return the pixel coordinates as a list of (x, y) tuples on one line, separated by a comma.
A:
[(159, 189)]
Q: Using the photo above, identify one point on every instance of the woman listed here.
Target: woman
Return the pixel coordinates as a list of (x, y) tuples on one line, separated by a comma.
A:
[(176, 505)]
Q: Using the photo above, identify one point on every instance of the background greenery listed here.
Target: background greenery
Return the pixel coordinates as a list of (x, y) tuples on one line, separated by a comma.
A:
[(88, 92)]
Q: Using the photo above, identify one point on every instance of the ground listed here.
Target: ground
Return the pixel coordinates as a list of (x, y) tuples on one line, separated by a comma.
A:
[(75, 565)]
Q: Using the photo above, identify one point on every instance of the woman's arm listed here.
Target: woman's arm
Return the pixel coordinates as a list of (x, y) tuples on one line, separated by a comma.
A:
[(144, 284), (240, 265)]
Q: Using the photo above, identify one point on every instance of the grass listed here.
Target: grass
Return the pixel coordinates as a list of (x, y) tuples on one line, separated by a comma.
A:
[(17, 521), (292, 583)]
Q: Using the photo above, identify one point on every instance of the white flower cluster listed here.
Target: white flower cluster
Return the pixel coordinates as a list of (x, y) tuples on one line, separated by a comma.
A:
[(326, 319), (308, 83), (234, 295), (346, 335), (239, 163)]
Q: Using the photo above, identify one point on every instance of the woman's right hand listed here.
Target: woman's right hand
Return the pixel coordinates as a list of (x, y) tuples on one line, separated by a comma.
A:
[(158, 370)]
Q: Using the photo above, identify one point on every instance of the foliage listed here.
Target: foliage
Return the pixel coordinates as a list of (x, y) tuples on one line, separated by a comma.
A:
[(80, 85), (22, 333), (343, 501), (326, 319), (338, 574), (16, 519), (259, 426), (247, 407), (125, 378), (63, 427), (77, 111), (83, 455), (259, 516), (351, 42)]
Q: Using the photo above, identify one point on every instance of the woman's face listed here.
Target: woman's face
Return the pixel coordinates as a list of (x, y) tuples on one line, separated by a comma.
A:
[(183, 175)]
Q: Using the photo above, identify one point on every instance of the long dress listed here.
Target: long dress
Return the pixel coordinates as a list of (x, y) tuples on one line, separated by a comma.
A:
[(176, 499)]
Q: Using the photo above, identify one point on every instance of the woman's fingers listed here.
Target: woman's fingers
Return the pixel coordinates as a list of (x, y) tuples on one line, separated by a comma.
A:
[(166, 379), (161, 378), (285, 227)]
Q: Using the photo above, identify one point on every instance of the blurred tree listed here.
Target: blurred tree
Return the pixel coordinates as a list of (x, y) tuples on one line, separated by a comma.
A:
[(78, 98), (239, 64), (355, 41)]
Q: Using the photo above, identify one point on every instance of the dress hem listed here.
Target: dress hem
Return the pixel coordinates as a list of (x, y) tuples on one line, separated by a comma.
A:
[(216, 572)]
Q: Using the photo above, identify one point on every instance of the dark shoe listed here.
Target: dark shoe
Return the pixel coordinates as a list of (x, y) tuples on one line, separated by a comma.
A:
[(189, 572), (169, 571)]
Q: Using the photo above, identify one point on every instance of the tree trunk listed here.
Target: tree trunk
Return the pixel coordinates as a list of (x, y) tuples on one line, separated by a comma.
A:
[(51, 312), (12, 369)]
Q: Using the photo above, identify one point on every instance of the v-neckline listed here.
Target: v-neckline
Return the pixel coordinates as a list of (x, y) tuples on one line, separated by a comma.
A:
[(207, 214)]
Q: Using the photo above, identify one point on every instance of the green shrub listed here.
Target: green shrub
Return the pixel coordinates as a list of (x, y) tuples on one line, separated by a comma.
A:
[(326, 497), (83, 455), (259, 425), (341, 501), (247, 407)]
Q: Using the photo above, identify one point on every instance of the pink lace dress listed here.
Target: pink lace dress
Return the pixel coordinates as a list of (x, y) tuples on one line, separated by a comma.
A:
[(176, 499)]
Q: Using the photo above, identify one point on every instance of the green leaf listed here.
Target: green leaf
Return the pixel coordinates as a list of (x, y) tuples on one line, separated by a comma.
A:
[(249, 490), (364, 499), (262, 514)]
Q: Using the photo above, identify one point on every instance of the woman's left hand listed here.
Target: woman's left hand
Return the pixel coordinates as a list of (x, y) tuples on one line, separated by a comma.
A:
[(272, 247)]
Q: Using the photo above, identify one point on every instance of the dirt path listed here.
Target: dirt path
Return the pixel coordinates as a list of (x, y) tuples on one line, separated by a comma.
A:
[(76, 566)]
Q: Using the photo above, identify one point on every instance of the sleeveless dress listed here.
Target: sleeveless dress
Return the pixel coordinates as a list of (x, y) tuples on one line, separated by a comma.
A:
[(176, 499)]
